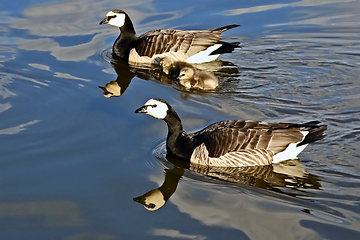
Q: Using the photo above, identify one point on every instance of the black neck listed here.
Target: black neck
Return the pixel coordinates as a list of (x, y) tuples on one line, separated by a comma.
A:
[(126, 40), (128, 27), (178, 142), (173, 121)]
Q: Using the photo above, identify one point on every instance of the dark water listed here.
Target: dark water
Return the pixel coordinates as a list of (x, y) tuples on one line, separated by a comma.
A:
[(71, 160)]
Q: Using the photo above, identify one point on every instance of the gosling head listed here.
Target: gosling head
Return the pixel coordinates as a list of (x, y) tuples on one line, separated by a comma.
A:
[(157, 108), (186, 73), (166, 62), (115, 17)]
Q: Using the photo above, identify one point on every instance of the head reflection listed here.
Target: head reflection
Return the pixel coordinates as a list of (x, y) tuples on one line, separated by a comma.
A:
[(156, 198), (124, 76)]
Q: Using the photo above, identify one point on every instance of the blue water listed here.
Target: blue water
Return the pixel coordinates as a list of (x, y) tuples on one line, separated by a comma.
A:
[(72, 160)]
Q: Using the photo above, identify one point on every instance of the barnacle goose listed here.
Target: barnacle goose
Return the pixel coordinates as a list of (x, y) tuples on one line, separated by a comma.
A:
[(149, 48), (234, 143)]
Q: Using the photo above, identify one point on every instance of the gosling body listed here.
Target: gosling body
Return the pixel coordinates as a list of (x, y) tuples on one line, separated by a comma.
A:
[(188, 75), (192, 78)]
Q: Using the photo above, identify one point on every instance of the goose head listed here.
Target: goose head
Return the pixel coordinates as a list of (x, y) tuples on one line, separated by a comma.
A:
[(115, 17), (166, 62), (157, 108)]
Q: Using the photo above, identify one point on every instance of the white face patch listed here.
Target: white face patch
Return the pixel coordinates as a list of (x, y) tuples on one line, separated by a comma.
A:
[(118, 19), (156, 108)]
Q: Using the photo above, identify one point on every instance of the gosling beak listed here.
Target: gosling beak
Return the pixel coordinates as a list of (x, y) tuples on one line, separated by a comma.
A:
[(104, 21), (142, 109)]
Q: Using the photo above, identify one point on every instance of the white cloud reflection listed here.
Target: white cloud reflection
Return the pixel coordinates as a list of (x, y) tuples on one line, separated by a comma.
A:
[(304, 13), (175, 234), (254, 9), (5, 79), (40, 66), (19, 128), (69, 76), (317, 21), (303, 3)]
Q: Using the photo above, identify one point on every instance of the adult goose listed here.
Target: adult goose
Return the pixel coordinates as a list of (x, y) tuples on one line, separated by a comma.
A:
[(234, 143), (149, 48)]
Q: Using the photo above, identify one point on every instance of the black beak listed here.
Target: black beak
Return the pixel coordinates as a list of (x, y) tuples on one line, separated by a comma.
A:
[(103, 21), (142, 109)]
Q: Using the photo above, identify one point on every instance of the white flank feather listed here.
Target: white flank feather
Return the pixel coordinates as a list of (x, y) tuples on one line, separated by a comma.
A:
[(204, 56), (291, 152)]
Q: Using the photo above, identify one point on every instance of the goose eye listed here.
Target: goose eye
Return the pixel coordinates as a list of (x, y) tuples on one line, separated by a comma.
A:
[(111, 17)]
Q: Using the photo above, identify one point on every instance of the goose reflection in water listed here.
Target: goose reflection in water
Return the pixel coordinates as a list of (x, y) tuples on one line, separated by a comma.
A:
[(126, 72), (125, 75), (289, 174), (156, 198)]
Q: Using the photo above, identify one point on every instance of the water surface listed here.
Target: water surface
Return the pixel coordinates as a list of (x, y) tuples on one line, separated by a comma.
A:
[(72, 160)]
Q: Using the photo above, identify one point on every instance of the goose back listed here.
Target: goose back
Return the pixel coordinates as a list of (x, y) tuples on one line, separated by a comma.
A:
[(183, 43)]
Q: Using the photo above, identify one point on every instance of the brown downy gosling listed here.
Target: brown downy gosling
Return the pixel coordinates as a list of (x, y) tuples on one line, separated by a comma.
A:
[(172, 67), (188, 75), (193, 78)]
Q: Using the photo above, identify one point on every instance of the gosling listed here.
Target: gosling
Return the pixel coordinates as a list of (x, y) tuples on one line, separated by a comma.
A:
[(172, 67), (192, 78), (188, 75)]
